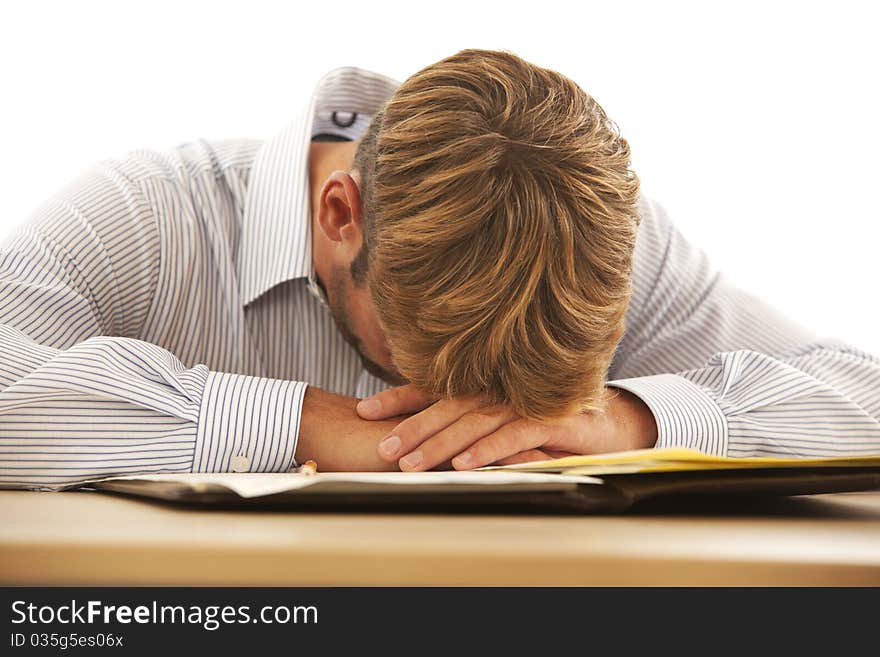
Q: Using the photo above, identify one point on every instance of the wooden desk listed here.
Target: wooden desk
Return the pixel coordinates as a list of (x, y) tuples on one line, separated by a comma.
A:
[(98, 539)]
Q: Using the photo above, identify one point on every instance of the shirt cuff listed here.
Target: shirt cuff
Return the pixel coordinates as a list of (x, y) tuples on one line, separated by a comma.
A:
[(248, 424), (686, 415)]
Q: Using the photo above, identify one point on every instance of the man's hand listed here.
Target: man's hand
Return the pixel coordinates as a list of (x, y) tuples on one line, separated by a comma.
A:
[(473, 434), (332, 434)]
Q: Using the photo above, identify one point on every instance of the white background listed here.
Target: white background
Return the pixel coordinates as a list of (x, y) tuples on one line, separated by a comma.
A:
[(755, 124)]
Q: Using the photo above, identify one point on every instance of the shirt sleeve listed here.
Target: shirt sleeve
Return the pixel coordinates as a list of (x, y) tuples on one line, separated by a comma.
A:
[(80, 398), (726, 374)]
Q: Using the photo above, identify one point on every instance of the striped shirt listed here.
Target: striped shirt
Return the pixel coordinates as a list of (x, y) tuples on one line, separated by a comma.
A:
[(161, 314)]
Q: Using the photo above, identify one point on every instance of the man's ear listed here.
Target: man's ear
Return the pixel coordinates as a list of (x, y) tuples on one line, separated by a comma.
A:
[(339, 212)]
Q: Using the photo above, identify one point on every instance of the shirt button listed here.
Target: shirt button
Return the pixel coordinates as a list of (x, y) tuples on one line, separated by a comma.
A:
[(240, 463), (352, 118)]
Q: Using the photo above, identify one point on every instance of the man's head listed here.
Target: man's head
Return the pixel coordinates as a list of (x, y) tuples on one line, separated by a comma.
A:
[(496, 220)]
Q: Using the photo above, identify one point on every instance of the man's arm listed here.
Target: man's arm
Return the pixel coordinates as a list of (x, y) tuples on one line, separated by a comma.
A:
[(81, 399), (332, 435), (726, 374)]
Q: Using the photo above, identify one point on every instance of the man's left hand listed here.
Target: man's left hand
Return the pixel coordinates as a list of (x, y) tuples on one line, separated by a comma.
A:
[(472, 434)]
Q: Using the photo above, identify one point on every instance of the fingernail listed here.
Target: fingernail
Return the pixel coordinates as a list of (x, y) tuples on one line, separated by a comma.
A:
[(390, 445), (412, 459), (461, 460), (369, 406)]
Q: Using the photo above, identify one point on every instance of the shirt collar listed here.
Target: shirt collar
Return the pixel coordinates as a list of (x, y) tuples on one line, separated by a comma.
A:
[(276, 244)]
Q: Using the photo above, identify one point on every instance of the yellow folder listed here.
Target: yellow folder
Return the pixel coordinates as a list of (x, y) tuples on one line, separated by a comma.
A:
[(678, 460)]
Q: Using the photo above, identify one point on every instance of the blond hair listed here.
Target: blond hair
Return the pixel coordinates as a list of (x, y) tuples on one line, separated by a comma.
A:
[(500, 218)]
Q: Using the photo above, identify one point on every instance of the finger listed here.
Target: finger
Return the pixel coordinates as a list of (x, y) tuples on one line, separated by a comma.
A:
[(395, 401), (524, 457), (514, 437), (455, 438), (556, 454), (414, 430)]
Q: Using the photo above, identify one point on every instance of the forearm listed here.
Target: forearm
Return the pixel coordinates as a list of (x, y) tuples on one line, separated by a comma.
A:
[(817, 400), (112, 406), (332, 434)]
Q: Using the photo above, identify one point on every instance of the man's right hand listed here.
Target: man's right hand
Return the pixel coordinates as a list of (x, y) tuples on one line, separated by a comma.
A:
[(333, 435)]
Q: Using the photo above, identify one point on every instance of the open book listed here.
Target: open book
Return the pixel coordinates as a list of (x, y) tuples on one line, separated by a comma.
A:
[(605, 482)]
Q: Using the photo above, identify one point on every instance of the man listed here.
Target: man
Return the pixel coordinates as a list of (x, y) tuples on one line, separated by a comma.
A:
[(467, 251)]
